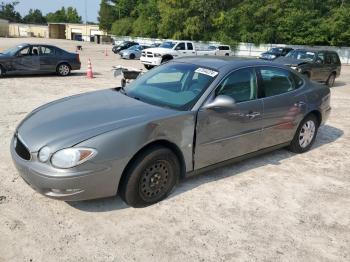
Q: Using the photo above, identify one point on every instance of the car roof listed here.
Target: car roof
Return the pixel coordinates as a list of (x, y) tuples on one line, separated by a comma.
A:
[(314, 50), (217, 63)]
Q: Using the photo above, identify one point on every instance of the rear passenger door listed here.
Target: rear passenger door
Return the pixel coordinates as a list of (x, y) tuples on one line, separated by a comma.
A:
[(284, 104), (48, 59)]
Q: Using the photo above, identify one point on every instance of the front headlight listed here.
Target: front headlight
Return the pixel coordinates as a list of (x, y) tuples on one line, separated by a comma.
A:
[(44, 154), (294, 67), (157, 55), (71, 157), (272, 56)]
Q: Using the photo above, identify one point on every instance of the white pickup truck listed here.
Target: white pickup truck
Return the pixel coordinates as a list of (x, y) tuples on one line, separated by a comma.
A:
[(168, 50)]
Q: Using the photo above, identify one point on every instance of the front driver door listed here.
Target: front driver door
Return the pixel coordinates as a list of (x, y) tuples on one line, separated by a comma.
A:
[(27, 60), (225, 133)]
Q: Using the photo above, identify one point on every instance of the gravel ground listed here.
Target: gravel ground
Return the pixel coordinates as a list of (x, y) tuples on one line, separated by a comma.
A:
[(276, 207)]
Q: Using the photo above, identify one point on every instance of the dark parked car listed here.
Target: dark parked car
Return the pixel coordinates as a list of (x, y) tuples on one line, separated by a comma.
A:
[(318, 65), (275, 52), (125, 45), (38, 59), (177, 120)]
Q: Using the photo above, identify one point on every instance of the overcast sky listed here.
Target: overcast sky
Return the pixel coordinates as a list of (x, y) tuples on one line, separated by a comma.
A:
[(47, 6)]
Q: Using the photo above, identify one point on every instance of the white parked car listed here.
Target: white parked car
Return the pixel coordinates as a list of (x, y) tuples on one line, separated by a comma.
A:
[(172, 49)]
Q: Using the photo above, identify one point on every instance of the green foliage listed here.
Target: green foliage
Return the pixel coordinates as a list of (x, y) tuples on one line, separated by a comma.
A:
[(8, 12), (107, 15), (122, 26), (69, 15), (307, 22), (34, 17)]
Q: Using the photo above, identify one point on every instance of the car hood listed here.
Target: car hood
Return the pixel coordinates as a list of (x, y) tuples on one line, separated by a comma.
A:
[(288, 61), (159, 50), (69, 121), (3, 56)]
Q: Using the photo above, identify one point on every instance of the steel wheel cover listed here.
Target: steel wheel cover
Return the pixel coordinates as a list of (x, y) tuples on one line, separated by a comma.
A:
[(155, 180)]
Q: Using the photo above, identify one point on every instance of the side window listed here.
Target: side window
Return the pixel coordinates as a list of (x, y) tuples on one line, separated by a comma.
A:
[(224, 48), (240, 85), (24, 52), (320, 58), (189, 46), (47, 51), (35, 51), (181, 46), (335, 59), (328, 59), (276, 81)]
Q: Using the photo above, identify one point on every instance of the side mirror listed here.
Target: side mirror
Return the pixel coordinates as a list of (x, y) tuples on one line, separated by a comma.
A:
[(221, 101)]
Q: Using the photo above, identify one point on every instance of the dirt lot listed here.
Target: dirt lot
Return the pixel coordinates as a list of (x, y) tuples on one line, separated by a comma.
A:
[(276, 207)]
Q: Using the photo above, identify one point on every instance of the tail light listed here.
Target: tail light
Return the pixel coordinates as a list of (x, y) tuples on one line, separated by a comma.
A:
[(78, 58)]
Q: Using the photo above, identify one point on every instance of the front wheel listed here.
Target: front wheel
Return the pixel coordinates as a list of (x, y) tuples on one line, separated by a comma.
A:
[(330, 81), (132, 56), (63, 70), (150, 178), (148, 67), (305, 135), (2, 71)]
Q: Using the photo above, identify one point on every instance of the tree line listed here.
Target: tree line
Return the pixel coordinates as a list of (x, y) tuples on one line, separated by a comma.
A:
[(297, 22), (35, 16)]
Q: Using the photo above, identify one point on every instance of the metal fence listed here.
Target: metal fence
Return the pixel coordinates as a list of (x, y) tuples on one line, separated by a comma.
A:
[(246, 49)]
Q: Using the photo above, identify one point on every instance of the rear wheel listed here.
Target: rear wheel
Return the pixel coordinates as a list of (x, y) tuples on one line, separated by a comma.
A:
[(63, 69), (150, 178), (330, 81), (132, 56), (305, 135)]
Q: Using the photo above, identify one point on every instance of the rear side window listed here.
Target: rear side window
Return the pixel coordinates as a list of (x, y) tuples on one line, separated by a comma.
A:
[(335, 58), (276, 81), (47, 51), (189, 46), (240, 85), (224, 48), (328, 59)]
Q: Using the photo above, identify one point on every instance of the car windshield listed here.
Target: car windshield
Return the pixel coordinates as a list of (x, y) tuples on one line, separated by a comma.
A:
[(168, 45), (173, 85), (302, 55), (276, 50), (12, 51)]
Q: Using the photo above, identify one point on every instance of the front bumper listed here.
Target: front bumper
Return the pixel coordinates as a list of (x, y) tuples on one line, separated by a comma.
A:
[(154, 61), (68, 185)]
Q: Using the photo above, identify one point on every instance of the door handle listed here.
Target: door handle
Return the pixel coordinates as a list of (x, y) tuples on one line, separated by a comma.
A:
[(299, 104), (252, 115)]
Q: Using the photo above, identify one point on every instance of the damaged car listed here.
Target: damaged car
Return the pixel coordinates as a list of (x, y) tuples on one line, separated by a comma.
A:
[(182, 118)]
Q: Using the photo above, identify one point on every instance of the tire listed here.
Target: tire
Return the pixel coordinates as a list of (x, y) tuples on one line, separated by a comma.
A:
[(132, 56), (150, 178), (63, 69), (330, 81), (306, 74), (148, 67), (305, 135), (166, 59), (2, 71)]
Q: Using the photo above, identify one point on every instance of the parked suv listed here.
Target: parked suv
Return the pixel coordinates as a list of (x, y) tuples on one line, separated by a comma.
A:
[(275, 52), (318, 65), (124, 45)]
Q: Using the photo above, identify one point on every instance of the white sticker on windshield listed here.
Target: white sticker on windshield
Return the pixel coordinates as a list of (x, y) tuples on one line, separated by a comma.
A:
[(206, 71), (310, 53)]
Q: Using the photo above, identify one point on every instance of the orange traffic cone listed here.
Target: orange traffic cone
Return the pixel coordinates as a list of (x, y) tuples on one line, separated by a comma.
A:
[(89, 72), (106, 53)]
